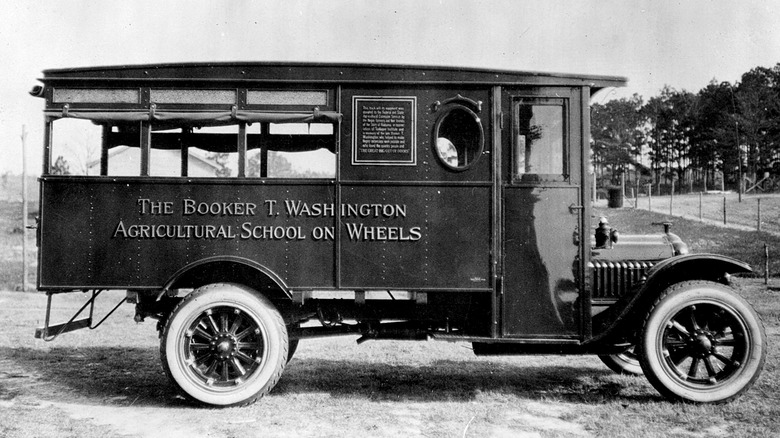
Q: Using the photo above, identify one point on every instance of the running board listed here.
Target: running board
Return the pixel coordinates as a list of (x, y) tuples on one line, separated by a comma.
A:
[(51, 332)]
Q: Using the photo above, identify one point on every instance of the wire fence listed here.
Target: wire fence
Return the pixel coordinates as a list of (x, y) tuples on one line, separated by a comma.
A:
[(751, 213), (754, 212)]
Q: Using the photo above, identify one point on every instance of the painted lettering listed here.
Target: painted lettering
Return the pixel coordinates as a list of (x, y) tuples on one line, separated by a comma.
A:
[(360, 232), (374, 210), (268, 232), (155, 207), (146, 231), (190, 207), (300, 208), (120, 229), (323, 233), (270, 203)]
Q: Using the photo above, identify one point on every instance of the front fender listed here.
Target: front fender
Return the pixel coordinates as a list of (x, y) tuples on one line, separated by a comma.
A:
[(698, 266), (624, 317)]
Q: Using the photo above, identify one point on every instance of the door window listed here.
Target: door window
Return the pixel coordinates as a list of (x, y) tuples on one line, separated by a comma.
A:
[(539, 140)]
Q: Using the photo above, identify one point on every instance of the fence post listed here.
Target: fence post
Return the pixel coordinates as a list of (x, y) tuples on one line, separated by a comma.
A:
[(766, 263), (758, 225), (724, 211), (24, 208), (623, 185), (650, 197), (671, 200), (636, 201), (700, 200)]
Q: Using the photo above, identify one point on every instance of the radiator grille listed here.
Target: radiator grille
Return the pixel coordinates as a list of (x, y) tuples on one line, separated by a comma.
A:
[(615, 279)]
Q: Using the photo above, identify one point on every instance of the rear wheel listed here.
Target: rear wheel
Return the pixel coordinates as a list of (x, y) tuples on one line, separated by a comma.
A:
[(702, 343), (626, 362), (224, 345)]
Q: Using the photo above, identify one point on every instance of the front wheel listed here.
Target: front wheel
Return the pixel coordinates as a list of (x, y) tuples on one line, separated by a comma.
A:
[(224, 345), (702, 343)]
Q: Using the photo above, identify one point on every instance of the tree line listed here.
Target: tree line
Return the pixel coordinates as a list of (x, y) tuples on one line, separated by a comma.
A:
[(721, 135)]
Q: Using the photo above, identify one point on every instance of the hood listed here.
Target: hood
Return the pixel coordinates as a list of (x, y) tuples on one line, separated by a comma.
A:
[(641, 248)]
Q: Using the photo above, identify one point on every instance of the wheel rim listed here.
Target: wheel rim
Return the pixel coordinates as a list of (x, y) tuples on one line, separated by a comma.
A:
[(704, 345), (629, 356), (223, 347)]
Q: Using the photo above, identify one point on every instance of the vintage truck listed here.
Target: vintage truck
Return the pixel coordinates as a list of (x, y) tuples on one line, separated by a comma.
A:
[(247, 206)]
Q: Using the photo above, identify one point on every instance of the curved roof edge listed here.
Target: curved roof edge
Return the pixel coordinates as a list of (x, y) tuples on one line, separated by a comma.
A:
[(315, 71)]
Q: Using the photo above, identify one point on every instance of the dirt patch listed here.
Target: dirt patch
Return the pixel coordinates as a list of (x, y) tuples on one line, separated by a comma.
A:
[(541, 418), (135, 421)]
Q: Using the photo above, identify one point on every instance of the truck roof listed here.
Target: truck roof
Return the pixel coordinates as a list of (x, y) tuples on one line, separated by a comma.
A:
[(342, 73)]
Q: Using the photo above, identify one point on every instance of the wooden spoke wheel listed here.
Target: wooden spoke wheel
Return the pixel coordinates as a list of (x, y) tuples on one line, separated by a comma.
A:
[(224, 345), (702, 343)]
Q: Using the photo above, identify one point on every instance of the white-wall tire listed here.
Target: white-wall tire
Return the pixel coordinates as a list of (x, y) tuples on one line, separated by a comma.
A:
[(224, 345), (702, 343)]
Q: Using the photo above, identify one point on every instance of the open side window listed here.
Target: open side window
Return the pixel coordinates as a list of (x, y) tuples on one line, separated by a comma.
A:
[(458, 138), (76, 148), (270, 150)]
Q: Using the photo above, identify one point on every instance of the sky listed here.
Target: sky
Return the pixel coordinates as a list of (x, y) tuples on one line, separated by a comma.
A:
[(683, 44)]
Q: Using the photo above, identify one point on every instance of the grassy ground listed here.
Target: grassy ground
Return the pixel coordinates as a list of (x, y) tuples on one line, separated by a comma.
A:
[(11, 231), (11, 234), (109, 383)]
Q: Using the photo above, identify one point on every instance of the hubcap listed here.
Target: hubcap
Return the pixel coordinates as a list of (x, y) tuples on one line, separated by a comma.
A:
[(225, 348), (702, 343)]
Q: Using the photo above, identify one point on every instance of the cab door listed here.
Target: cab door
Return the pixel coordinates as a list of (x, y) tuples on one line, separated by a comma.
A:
[(542, 199)]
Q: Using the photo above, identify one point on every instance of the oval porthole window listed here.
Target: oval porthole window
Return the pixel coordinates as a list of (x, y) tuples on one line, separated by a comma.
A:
[(459, 138)]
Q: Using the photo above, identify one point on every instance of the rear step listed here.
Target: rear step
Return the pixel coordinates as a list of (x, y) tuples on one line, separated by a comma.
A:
[(51, 332)]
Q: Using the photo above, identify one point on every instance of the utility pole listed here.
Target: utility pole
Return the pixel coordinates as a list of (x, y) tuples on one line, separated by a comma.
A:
[(24, 208), (739, 149)]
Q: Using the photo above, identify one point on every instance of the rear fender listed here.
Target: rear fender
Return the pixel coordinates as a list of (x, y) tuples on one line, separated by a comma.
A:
[(623, 319), (230, 269)]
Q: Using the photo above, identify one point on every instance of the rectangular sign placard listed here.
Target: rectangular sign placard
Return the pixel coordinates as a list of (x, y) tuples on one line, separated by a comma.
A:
[(384, 130)]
